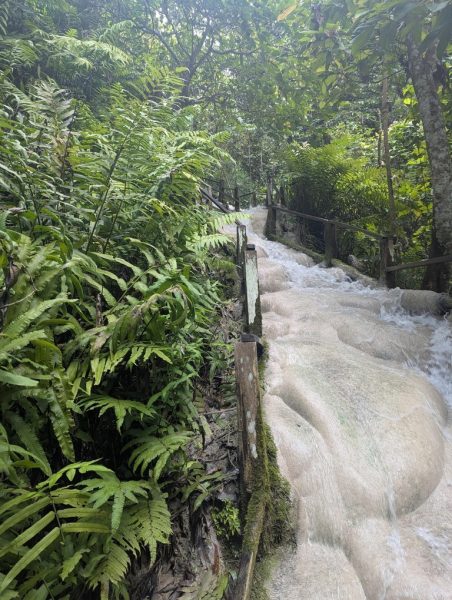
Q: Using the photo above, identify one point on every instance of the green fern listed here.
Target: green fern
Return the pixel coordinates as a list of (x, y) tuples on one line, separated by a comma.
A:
[(120, 407), (149, 450), (99, 349), (107, 487)]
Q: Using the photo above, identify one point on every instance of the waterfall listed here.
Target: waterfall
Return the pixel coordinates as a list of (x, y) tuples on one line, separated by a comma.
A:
[(357, 398)]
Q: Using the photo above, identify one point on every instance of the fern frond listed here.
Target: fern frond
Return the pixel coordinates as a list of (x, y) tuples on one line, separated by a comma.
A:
[(152, 519), (210, 241), (28, 436), (70, 564), (18, 326), (108, 487), (31, 555), (61, 418), (111, 569), (151, 449), (120, 407)]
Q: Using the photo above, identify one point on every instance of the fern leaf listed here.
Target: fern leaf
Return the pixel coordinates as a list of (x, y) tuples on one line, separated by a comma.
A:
[(112, 568), (15, 329), (19, 499), (102, 489), (150, 449), (33, 554), (28, 534), (7, 346), (15, 379), (29, 439), (23, 514), (61, 426), (117, 509), (120, 407), (209, 242), (71, 563), (85, 527)]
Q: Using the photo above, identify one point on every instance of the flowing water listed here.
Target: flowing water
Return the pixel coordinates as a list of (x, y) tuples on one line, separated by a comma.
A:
[(357, 397)]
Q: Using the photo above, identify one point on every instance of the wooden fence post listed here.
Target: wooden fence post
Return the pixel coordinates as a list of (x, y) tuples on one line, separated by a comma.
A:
[(254, 199), (252, 462), (252, 297), (270, 224), (269, 198), (387, 260), (247, 378), (282, 195), (236, 199), (330, 243), (241, 250), (221, 191)]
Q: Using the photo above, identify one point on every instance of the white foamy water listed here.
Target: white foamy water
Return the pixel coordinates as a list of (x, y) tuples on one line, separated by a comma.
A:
[(357, 392)]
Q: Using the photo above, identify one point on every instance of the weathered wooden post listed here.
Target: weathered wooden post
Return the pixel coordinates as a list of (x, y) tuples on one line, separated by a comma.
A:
[(252, 296), (221, 191), (254, 199), (330, 243), (236, 199), (387, 260), (248, 397), (270, 224), (282, 196), (252, 461), (269, 198), (241, 250)]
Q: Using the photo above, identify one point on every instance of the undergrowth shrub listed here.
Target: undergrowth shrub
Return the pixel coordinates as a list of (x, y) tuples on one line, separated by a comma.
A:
[(108, 312), (337, 182)]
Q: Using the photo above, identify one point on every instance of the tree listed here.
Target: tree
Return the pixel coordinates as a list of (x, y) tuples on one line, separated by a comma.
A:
[(371, 39), (425, 29)]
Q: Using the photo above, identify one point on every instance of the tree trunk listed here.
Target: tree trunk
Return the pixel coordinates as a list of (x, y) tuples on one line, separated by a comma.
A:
[(422, 69), (436, 276), (379, 161), (387, 156)]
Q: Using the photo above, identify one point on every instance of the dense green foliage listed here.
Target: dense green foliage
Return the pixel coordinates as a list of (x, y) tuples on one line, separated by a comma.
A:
[(112, 115), (108, 309), (342, 180)]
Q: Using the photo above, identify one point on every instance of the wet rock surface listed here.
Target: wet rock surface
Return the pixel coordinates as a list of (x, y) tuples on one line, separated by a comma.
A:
[(357, 394)]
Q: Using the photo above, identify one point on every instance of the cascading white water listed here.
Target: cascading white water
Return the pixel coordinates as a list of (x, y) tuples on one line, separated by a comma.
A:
[(357, 392)]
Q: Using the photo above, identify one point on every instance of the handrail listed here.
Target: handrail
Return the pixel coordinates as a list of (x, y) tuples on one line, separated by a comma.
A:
[(214, 201), (387, 268), (421, 263), (341, 224), (252, 449)]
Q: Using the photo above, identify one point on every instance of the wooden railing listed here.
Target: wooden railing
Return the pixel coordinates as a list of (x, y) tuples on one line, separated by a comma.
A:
[(386, 243), (252, 450), (387, 268), (232, 194)]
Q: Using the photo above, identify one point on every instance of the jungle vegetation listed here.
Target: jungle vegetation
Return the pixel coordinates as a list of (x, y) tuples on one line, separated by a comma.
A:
[(112, 115)]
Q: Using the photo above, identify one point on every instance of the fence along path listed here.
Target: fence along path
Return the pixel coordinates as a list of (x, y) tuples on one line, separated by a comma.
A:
[(252, 450), (331, 227), (362, 439)]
